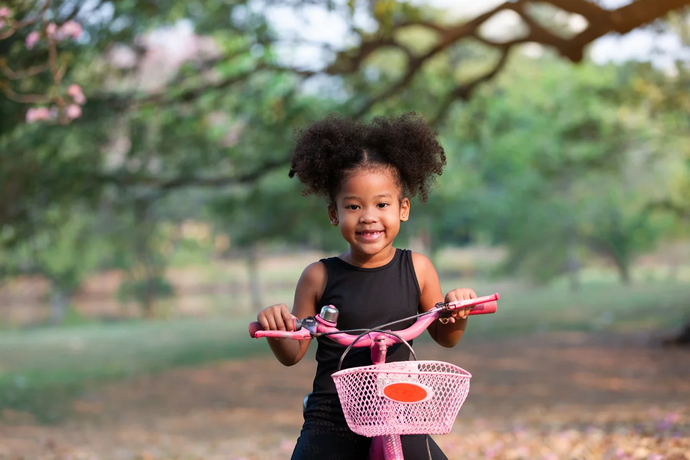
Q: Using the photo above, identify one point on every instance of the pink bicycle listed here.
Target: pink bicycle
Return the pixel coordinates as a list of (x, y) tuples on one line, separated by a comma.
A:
[(386, 400)]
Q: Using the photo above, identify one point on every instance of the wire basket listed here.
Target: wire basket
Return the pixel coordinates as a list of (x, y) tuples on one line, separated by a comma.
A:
[(407, 397)]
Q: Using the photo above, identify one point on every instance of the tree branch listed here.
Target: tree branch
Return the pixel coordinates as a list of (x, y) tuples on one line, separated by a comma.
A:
[(600, 22), (125, 179), (189, 94), (18, 75), (465, 91), (23, 98)]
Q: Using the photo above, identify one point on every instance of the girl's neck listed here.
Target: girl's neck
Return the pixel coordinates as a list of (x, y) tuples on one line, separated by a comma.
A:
[(367, 260)]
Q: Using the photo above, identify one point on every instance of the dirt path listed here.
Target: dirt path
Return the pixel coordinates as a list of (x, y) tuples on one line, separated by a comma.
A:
[(552, 397)]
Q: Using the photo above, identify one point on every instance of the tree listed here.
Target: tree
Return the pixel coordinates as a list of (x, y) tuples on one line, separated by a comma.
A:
[(568, 166), (244, 54), (219, 117)]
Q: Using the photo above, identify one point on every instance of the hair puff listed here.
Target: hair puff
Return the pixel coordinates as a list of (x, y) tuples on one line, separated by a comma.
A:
[(329, 149)]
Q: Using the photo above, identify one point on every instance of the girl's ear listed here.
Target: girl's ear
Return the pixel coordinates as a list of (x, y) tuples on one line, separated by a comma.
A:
[(333, 214), (404, 209)]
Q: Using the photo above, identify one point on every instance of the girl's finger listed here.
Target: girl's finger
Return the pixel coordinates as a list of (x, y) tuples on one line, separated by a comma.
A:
[(287, 319), (462, 313), (280, 324), (271, 324)]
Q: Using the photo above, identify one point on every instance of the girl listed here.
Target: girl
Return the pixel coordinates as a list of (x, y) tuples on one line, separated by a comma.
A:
[(367, 173)]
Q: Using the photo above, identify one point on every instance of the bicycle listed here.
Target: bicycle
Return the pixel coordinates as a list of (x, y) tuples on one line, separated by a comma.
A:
[(386, 400)]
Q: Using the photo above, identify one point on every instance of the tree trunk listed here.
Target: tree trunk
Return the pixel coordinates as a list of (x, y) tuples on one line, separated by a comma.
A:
[(146, 274), (573, 267), (254, 280), (623, 270), (149, 297), (618, 250), (59, 302)]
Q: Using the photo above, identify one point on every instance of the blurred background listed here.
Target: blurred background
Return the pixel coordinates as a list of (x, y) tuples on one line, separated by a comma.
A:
[(146, 215)]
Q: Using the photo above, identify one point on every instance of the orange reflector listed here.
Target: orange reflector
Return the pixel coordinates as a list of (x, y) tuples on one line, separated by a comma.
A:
[(406, 392)]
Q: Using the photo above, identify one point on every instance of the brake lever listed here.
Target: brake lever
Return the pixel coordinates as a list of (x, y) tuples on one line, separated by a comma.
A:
[(444, 313), (309, 323)]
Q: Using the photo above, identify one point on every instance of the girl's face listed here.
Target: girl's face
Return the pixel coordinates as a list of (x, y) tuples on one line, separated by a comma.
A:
[(369, 210)]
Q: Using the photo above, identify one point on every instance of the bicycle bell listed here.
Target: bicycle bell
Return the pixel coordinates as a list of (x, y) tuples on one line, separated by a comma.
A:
[(329, 313)]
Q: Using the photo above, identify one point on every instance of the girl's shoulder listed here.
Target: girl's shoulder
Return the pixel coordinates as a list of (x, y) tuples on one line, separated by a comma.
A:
[(421, 261), (423, 266), (314, 272), (314, 278)]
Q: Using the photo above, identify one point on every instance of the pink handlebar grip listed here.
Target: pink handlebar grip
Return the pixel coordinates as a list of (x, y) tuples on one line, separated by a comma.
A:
[(484, 308), (256, 331), (474, 302), (253, 327)]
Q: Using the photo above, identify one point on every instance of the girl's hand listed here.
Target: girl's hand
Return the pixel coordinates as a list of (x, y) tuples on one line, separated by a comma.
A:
[(276, 318), (460, 294)]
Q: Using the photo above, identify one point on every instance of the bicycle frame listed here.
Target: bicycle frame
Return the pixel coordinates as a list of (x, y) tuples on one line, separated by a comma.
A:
[(386, 447)]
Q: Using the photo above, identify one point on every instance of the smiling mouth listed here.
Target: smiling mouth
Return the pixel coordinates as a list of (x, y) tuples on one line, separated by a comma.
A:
[(370, 234)]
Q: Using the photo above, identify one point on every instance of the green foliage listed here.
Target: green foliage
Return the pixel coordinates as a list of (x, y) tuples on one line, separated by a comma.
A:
[(553, 160), (566, 165)]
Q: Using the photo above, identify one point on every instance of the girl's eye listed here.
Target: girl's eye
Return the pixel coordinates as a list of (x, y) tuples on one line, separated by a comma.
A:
[(352, 207), (382, 205)]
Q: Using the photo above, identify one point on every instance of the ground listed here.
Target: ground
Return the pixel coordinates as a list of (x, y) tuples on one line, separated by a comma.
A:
[(548, 396)]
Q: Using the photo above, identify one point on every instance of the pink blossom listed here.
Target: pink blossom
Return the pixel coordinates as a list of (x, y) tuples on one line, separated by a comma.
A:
[(37, 114), (4, 12), (70, 29), (51, 29), (32, 38), (73, 111), (76, 93), (79, 98), (73, 89)]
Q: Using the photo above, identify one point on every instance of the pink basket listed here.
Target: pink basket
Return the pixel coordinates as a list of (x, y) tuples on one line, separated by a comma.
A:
[(407, 397)]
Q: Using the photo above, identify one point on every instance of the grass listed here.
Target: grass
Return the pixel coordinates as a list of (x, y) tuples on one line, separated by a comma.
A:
[(42, 370), (595, 307)]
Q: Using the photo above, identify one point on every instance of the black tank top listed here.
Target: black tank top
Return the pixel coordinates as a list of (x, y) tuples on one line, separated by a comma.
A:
[(364, 297)]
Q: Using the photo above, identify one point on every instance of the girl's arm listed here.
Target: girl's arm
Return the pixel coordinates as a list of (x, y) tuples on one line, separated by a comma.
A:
[(446, 335), (309, 289)]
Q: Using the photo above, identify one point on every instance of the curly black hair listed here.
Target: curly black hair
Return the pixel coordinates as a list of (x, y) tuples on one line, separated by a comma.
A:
[(328, 150)]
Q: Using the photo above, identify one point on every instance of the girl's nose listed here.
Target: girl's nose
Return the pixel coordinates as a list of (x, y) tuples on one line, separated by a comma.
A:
[(367, 217)]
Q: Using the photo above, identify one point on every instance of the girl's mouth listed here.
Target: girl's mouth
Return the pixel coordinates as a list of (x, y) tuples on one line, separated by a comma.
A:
[(370, 235)]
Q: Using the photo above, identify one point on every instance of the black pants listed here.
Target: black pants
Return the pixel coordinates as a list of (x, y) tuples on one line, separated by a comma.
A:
[(346, 445)]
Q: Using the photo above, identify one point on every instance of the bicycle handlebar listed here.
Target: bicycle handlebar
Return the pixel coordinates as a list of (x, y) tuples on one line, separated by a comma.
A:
[(481, 306)]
